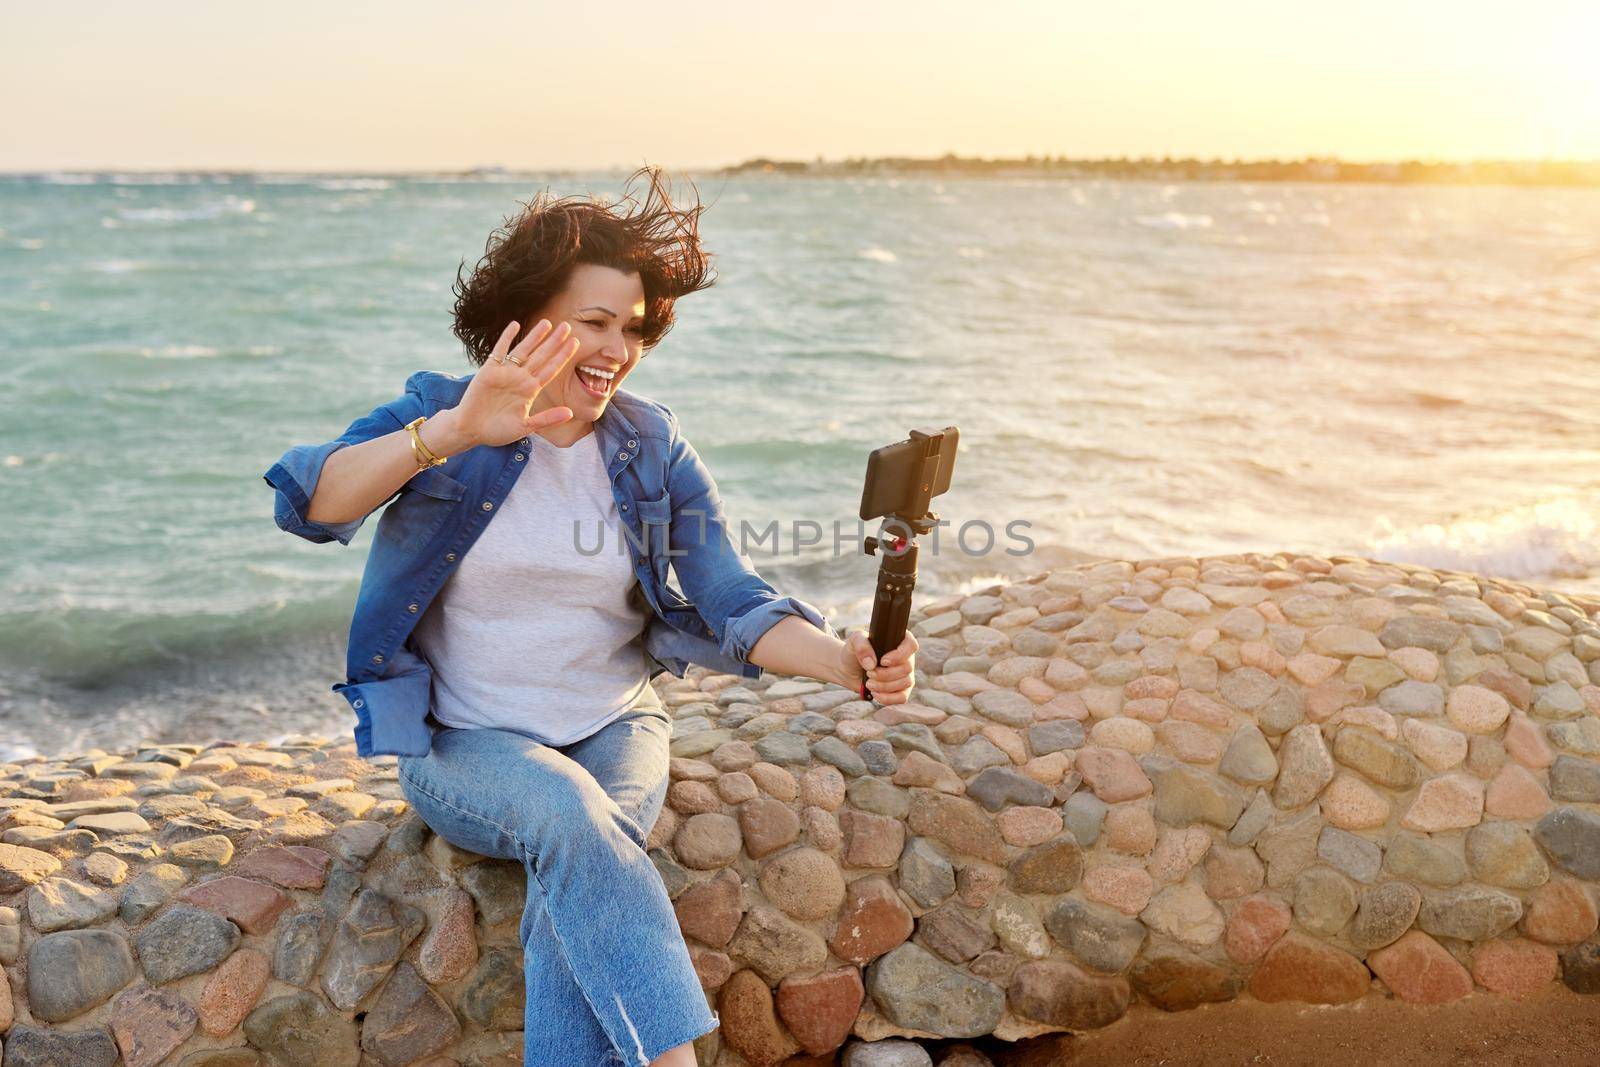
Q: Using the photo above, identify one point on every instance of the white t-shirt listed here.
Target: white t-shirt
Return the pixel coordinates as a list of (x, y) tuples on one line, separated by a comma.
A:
[(530, 634)]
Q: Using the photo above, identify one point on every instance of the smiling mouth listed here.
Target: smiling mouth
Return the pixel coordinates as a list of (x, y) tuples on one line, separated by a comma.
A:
[(595, 385)]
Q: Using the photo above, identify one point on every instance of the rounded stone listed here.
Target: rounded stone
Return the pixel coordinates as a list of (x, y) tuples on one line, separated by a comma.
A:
[(1233, 872), (768, 824), (1305, 767), (1324, 900), (1422, 859), (1440, 747), (300, 1029), (1449, 802), (1561, 912), (1029, 825), (1380, 760), (1130, 829), (1121, 732), (1571, 836), (232, 991), (1515, 793), (820, 1009), (1248, 758), (1102, 939), (1300, 969), (1350, 804), (21, 867), (709, 910), (1469, 913), (185, 940), (1477, 710), (1514, 968), (61, 903), (804, 882), (775, 945), (1175, 980), (1057, 993), (749, 1020), (75, 970), (1255, 926), (1127, 889), (1005, 706), (1054, 867), (708, 840), (926, 875), (916, 990), (887, 1052), (1419, 970), (1386, 911), (1503, 854), (872, 921), (823, 786), (1185, 914), (1112, 774)]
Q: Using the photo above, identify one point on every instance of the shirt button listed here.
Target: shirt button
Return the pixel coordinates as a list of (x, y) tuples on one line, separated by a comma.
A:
[(377, 659), (622, 455), (488, 505), (450, 557), (359, 704), (519, 457), (412, 609), (632, 444), (624, 507)]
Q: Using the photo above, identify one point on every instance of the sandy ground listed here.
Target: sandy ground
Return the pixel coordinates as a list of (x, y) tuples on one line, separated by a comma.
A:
[(1550, 1028)]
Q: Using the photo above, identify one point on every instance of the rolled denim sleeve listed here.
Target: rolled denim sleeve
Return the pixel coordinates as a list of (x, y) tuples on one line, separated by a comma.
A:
[(295, 478), (733, 599), (295, 475), (744, 631)]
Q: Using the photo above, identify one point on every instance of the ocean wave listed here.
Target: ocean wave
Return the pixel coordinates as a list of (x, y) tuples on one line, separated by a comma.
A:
[(215, 209), (118, 266), (157, 179), (345, 184), (1174, 220), (180, 352), (1554, 538), (94, 647)]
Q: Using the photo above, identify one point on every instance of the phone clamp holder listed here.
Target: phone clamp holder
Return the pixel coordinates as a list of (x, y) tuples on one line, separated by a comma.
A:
[(910, 474)]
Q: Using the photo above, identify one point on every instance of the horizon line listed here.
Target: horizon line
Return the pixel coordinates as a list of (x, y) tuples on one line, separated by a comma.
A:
[(1034, 159)]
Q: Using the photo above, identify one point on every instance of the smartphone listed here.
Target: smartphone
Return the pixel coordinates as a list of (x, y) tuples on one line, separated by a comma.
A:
[(893, 474)]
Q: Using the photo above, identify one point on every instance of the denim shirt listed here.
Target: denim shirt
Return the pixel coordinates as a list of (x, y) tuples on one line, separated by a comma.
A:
[(665, 497)]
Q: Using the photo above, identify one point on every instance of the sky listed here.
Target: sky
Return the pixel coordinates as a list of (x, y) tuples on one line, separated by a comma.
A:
[(408, 85)]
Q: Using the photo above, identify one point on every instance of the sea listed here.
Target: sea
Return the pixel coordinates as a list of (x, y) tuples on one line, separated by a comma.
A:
[(1136, 370)]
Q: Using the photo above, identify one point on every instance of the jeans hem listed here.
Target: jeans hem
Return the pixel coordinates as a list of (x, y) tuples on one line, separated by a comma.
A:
[(697, 1031)]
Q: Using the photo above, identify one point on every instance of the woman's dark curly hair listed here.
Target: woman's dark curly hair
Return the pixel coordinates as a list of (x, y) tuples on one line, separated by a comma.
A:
[(530, 258)]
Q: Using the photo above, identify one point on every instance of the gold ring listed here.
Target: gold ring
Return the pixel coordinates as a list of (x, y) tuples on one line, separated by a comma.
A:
[(512, 359)]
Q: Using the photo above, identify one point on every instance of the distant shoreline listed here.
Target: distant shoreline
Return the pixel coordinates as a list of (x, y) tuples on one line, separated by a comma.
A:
[(1325, 170), (1312, 170)]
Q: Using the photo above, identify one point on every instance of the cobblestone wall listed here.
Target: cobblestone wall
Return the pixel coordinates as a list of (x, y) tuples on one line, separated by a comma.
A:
[(1171, 782)]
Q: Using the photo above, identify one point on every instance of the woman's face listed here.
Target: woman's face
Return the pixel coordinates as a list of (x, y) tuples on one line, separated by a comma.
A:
[(606, 309)]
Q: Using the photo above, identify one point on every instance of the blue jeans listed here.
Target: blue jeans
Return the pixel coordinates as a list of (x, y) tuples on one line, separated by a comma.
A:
[(609, 979)]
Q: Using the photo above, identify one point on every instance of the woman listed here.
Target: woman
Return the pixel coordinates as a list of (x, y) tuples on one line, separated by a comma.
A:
[(506, 661)]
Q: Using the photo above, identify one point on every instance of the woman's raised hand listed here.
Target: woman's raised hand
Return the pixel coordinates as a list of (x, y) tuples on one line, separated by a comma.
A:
[(495, 410)]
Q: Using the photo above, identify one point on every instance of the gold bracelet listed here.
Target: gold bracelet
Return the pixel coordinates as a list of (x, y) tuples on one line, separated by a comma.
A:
[(425, 458)]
